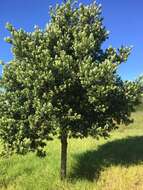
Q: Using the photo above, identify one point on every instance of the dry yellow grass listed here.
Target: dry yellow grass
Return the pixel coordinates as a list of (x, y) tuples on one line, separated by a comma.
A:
[(121, 178)]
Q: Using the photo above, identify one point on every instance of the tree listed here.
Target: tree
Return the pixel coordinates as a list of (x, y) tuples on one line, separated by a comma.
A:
[(140, 80), (61, 83)]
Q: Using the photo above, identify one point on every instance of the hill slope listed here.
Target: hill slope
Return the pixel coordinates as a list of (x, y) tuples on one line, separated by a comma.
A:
[(115, 164)]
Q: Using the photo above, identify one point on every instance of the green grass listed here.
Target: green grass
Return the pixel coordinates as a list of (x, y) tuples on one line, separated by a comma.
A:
[(113, 164)]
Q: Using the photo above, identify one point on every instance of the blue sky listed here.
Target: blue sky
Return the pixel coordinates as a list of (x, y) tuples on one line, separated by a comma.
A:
[(123, 18)]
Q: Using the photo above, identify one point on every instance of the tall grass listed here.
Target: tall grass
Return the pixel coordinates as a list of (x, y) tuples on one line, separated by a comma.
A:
[(113, 164)]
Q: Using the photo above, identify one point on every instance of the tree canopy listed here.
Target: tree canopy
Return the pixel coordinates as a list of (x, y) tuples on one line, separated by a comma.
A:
[(62, 83), (140, 80)]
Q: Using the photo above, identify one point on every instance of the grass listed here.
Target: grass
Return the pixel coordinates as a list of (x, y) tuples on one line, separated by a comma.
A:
[(113, 164)]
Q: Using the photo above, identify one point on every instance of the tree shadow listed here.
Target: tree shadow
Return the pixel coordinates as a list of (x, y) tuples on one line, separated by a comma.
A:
[(128, 151)]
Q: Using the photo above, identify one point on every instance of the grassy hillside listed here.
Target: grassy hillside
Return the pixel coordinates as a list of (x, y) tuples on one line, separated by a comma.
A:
[(113, 164)]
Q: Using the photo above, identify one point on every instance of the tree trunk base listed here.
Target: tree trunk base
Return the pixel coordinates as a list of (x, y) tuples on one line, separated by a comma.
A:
[(63, 156)]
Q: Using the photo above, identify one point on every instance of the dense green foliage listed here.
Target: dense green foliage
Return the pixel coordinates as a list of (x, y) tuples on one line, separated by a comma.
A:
[(61, 82), (140, 80)]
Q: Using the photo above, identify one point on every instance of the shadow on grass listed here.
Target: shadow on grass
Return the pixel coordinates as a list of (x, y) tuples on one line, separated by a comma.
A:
[(128, 151)]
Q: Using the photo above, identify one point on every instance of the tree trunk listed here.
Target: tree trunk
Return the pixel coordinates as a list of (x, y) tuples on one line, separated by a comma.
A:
[(63, 155)]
